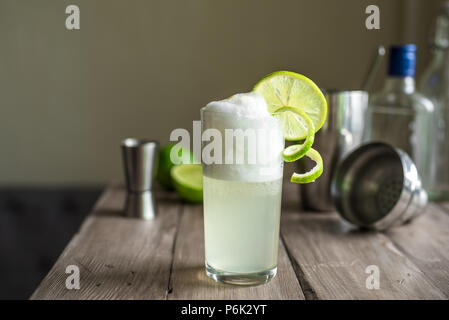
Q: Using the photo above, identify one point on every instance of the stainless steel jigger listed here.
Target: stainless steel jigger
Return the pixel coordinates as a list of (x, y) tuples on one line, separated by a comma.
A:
[(378, 187), (139, 161)]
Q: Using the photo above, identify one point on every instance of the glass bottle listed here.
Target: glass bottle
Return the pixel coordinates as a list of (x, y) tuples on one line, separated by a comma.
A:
[(398, 115), (435, 84)]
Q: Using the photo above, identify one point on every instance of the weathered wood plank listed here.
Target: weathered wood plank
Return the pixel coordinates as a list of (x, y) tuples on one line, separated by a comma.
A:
[(444, 205), (331, 259), (291, 196), (189, 279), (426, 243), (118, 258)]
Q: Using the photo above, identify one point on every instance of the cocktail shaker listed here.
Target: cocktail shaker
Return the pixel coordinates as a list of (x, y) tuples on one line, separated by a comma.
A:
[(340, 134)]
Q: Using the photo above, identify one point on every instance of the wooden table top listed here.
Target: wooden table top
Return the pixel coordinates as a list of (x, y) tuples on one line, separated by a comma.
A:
[(320, 256)]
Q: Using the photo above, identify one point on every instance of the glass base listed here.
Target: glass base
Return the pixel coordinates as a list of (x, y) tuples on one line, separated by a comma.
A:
[(241, 279)]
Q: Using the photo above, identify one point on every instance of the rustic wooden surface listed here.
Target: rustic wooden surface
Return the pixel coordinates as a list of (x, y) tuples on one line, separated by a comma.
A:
[(320, 256)]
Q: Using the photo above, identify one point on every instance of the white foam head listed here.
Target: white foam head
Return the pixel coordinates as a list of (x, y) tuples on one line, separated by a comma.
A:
[(245, 112), (250, 105)]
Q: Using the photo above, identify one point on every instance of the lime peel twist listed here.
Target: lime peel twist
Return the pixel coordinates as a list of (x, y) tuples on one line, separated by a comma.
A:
[(314, 173), (297, 151)]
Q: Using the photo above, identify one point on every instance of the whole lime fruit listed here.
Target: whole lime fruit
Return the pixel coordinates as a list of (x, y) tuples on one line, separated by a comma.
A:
[(165, 164)]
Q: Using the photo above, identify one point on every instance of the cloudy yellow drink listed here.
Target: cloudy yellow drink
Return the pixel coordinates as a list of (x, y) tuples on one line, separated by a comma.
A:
[(241, 222), (242, 201)]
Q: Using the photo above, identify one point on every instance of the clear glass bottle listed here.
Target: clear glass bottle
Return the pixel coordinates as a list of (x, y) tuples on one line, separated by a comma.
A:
[(435, 85), (398, 115)]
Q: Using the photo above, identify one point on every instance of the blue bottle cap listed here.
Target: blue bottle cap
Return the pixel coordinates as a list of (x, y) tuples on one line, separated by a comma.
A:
[(402, 61)]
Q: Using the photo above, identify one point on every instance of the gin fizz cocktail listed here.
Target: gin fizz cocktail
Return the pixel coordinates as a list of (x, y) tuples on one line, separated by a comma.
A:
[(242, 164), (242, 190)]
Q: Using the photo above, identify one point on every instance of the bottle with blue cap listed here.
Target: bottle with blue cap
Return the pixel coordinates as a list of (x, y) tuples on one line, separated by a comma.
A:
[(400, 116)]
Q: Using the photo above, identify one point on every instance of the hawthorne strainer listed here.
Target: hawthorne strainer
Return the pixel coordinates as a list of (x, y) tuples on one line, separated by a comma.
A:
[(378, 187)]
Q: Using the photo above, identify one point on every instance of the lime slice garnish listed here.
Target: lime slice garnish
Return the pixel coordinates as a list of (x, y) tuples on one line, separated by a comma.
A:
[(297, 151), (285, 88), (302, 110), (188, 181), (313, 174)]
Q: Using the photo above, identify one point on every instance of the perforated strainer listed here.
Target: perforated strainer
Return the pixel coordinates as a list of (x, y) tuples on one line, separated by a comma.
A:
[(378, 186)]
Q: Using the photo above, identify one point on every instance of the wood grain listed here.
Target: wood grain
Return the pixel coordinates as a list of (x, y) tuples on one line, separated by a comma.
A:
[(291, 195), (119, 258), (189, 279), (331, 258), (426, 243), (320, 257), (445, 206)]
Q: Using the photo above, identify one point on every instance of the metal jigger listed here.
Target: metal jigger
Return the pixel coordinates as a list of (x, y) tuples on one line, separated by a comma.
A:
[(139, 161)]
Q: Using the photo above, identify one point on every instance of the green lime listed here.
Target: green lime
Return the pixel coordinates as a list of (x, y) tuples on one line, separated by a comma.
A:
[(297, 151), (314, 173), (165, 163), (289, 89), (188, 181), (302, 110)]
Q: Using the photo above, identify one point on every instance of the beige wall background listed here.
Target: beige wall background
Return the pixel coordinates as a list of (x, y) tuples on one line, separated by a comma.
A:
[(142, 68)]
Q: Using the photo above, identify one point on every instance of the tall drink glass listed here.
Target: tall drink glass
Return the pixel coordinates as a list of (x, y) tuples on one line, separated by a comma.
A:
[(242, 199)]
